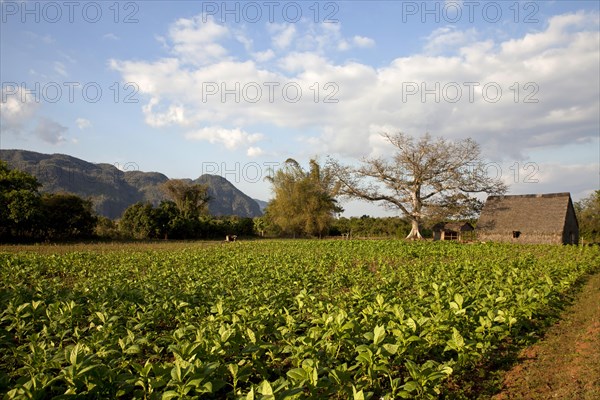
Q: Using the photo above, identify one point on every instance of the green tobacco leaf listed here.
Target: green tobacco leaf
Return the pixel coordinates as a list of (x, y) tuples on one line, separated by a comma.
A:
[(133, 349), (171, 394), (411, 386), (176, 373), (357, 395), (413, 369), (265, 388), (458, 299), (297, 374), (233, 369), (457, 338), (378, 334), (251, 335), (391, 348), (108, 324)]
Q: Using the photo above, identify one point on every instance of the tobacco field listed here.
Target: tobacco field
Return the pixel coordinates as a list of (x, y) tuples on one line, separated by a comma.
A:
[(297, 319)]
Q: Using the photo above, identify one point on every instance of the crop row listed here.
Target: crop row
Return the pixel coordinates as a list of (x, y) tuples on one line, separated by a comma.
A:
[(273, 319)]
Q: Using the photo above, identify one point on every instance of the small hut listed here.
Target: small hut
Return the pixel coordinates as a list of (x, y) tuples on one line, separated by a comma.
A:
[(530, 218), (460, 231)]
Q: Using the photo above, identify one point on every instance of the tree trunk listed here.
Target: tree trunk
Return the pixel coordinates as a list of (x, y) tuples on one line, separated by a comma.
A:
[(416, 214), (414, 231)]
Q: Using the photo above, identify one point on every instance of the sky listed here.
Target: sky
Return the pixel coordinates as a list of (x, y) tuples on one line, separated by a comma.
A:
[(236, 88)]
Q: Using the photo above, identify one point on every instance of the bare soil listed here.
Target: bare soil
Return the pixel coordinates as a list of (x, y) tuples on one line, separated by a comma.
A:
[(565, 364)]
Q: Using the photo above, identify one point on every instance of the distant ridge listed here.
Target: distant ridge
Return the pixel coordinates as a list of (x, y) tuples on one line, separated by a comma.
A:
[(262, 204), (113, 190)]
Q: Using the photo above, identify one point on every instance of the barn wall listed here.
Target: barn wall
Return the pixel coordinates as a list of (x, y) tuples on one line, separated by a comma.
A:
[(524, 238), (570, 227)]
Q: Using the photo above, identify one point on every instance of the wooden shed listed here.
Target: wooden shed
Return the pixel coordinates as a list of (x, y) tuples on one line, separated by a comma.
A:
[(453, 231), (530, 218)]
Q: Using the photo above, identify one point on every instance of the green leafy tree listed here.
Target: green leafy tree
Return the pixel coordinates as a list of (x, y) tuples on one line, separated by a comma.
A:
[(19, 203), (260, 225), (426, 176), (138, 221), (163, 220), (142, 221), (27, 214), (304, 201), (67, 216), (588, 216), (106, 228)]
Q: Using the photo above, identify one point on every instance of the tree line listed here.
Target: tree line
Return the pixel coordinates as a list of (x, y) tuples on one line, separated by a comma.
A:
[(26, 214), (425, 180)]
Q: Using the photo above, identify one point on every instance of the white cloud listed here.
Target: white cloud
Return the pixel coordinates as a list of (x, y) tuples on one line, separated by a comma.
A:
[(263, 56), (343, 45), (17, 108), (195, 39), (356, 41), (230, 138), (545, 177), (448, 38), (557, 66), (283, 34), (243, 38), (148, 76), (322, 39), (50, 131), (560, 31), (362, 41), (302, 61), (60, 68), (18, 112), (83, 123), (174, 114), (254, 151), (110, 36)]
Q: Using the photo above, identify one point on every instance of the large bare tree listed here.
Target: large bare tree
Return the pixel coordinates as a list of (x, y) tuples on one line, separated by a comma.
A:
[(425, 176)]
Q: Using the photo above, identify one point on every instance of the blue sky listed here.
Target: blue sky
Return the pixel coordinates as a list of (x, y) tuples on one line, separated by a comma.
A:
[(234, 88)]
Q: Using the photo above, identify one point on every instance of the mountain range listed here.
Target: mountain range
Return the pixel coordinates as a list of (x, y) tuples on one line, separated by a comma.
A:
[(112, 190)]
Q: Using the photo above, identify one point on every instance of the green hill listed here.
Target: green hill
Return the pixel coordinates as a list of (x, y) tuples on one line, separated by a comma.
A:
[(113, 190)]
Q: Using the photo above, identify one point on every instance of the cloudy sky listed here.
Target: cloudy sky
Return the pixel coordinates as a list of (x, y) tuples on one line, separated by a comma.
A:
[(234, 88)]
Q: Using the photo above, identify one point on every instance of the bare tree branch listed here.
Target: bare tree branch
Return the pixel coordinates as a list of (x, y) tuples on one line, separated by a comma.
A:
[(425, 177)]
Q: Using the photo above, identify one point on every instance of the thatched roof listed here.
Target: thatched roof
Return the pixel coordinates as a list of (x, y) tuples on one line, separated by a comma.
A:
[(453, 226), (534, 213)]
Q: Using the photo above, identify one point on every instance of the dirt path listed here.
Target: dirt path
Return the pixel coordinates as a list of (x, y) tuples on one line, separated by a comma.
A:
[(566, 363)]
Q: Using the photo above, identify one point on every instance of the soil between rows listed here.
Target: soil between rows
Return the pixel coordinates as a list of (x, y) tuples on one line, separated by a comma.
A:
[(565, 364)]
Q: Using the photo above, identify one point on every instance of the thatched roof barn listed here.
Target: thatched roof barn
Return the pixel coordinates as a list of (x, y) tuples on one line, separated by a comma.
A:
[(530, 218), (453, 231)]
